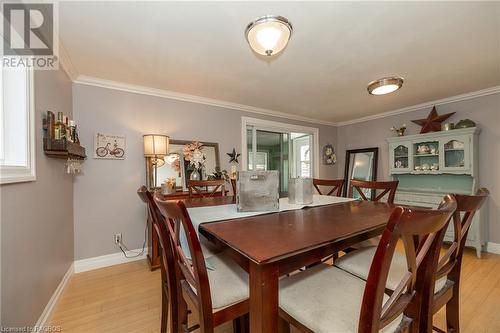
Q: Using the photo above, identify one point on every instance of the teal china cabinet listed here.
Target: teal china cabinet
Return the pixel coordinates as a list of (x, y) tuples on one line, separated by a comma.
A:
[(430, 165)]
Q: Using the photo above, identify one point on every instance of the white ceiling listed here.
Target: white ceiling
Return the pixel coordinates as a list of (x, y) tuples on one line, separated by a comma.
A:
[(442, 49)]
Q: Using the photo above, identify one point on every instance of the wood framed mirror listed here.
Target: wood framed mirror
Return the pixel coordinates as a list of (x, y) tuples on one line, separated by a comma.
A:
[(360, 164), (175, 166)]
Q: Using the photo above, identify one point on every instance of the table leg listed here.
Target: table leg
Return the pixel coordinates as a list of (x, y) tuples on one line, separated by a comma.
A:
[(264, 304)]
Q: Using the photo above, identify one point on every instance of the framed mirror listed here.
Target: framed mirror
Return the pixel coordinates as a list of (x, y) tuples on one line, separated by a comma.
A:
[(360, 164), (175, 166)]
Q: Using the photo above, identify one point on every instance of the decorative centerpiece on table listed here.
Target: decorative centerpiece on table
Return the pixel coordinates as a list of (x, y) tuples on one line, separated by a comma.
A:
[(219, 174), (194, 155)]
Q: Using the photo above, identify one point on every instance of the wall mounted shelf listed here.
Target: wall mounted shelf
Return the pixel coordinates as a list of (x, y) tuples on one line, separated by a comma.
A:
[(63, 149)]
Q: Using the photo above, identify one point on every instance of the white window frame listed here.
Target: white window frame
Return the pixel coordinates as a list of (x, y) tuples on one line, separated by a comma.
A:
[(262, 124), (16, 174), (297, 144)]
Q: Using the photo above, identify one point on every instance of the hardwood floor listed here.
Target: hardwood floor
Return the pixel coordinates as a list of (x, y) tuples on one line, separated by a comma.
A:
[(126, 298)]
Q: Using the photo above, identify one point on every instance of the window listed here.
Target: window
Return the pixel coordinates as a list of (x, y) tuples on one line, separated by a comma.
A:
[(269, 145), (305, 161), (260, 161), (17, 160), (301, 144)]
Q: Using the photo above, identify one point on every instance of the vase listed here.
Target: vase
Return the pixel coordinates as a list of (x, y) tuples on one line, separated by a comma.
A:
[(195, 175)]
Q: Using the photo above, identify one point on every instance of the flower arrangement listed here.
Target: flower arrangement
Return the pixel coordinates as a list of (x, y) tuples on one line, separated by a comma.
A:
[(219, 174), (176, 165), (170, 182), (400, 131), (193, 152)]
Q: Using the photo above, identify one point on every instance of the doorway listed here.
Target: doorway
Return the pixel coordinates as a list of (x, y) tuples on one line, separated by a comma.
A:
[(289, 149)]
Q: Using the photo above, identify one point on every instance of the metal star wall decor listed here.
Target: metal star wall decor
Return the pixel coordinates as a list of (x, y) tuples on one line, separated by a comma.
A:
[(233, 157), (433, 121)]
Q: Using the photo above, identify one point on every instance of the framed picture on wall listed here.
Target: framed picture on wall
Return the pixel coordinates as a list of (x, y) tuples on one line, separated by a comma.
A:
[(109, 146), (329, 157)]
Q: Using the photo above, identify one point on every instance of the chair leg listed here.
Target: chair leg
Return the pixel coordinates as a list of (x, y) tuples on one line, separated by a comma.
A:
[(164, 313), (241, 324), (237, 325), (453, 312), (283, 326), (335, 256), (181, 313)]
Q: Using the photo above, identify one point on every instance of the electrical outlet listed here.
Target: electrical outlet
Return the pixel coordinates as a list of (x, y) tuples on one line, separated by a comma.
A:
[(117, 238)]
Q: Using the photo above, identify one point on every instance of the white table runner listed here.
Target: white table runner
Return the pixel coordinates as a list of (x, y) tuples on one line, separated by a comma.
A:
[(201, 215)]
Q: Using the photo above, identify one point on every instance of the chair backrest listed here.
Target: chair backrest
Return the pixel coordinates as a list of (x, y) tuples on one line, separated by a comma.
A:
[(422, 232), (193, 272), (467, 205), (335, 184), (167, 261), (386, 187), (201, 187), (141, 192)]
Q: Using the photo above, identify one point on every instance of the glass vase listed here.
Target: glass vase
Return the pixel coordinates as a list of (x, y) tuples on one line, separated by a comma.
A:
[(195, 175)]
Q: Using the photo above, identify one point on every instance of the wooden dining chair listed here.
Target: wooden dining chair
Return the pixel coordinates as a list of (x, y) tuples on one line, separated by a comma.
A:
[(216, 295), (328, 299), (450, 263), (388, 187), (335, 185), (200, 188), (167, 263), (448, 272)]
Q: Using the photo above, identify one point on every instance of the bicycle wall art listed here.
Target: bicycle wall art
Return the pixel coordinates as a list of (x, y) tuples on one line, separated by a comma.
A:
[(108, 146)]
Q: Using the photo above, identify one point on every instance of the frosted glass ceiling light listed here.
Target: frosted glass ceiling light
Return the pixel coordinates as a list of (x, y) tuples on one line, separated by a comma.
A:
[(385, 85), (268, 35)]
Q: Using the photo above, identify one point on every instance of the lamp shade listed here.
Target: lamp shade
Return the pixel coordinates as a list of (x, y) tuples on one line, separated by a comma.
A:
[(155, 145)]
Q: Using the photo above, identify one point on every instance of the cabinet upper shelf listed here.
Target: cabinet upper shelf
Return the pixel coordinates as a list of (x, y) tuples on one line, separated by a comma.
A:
[(433, 136), (452, 152)]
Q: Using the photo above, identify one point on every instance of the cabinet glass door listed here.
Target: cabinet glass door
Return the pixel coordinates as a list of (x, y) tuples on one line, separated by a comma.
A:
[(426, 157), (400, 157), (456, 155)]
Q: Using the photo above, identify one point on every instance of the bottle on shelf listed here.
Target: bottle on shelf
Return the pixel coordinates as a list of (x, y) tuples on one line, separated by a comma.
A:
[(58, 128), (72, 130), (75, 136)]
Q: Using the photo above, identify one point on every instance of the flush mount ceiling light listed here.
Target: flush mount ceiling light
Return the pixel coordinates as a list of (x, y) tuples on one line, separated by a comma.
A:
[(385, 85), (268, 35)]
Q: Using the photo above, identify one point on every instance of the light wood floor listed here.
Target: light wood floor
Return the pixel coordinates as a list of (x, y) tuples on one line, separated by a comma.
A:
[(126, 298)]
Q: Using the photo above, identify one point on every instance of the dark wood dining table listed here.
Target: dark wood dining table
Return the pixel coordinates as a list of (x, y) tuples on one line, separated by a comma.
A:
[(272, 245)]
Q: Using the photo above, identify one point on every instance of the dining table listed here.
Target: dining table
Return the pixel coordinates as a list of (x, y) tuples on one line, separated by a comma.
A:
[(271, 245)]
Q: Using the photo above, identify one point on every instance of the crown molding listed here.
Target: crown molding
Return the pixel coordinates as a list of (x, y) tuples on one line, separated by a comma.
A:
[(143, 90), (66, 63), (447, 100), (137, 89)]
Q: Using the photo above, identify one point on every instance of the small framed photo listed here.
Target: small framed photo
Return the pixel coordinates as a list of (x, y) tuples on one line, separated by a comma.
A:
[(329, 157)]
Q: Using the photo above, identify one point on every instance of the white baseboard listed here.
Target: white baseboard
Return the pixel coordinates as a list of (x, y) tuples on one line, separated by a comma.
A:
[(493, 248), (89, 264), (47, 312)]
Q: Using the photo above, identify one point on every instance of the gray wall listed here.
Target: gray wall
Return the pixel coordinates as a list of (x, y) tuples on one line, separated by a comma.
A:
[(485, 111), (105, 199), (37, 219)]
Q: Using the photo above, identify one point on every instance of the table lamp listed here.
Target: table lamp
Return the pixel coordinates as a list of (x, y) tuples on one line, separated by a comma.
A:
[(155, 149)]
